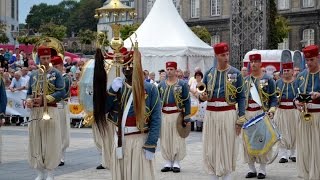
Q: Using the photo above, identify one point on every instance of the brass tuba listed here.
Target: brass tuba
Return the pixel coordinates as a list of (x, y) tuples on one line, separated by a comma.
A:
[(54, 44)]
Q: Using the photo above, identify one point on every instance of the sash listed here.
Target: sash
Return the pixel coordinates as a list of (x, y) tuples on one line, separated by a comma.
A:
[(255, 94), (119, 150)]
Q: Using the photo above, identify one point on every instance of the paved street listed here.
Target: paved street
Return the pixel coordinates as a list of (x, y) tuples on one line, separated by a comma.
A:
[(82, 157)]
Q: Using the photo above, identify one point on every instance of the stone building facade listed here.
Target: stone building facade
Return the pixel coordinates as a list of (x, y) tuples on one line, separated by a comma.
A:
[(9, 13)]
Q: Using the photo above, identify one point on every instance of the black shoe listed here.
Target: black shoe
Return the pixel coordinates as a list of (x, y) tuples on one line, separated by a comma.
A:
[(100, 167), (192, 126), (261, 176), (166, 169), (283, 160), (61, 163), (293, 159), (176, 169), (251, 175)]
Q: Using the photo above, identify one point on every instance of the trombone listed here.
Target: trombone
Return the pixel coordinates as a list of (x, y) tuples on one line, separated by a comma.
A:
[(305, 98)]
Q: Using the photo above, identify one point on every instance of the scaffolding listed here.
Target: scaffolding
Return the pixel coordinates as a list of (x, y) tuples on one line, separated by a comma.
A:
[(248, 27)]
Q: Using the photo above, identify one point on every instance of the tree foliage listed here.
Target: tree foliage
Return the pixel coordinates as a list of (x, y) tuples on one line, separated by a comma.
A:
[(86, 36), (71, 14), (278, 27), (3, 37), (53, 30), (83, 16), (42, 14), (202, 32), (128, 29), (28, 39)]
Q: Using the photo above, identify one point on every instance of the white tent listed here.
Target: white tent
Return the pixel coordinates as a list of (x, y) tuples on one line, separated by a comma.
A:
[(164, 36)]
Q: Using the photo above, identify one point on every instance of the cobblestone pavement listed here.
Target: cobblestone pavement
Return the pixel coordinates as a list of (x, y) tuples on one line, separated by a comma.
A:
[(82, 157)]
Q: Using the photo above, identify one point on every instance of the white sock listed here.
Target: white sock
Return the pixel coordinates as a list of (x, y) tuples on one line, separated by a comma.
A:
[(168, 164), (214, 177), (176, 164), (252, 167), (263, 168), (227, 177)]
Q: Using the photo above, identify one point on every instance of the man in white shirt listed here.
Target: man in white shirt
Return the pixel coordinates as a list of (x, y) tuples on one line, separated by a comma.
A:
[(18, 83)]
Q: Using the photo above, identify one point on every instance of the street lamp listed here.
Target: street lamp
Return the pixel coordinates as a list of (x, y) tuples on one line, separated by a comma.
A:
[(116, 12), (14, 35)]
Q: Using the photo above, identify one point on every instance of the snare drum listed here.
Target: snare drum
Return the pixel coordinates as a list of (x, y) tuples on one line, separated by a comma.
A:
[(259, 135)]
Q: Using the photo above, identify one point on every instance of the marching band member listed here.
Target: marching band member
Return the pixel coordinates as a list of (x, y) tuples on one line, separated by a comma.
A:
[(286, 116), (266, 94), (222, 121), (3, 105), (45, 135), (308, 134), (175, 98), (137, 118), (57, 63)]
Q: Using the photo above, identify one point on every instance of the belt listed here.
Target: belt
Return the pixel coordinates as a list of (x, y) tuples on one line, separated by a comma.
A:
[(170, 110), (128, 130), (221, 108), (253, 107), (286, 105), (313, 106), (219, 104), (60, 105)]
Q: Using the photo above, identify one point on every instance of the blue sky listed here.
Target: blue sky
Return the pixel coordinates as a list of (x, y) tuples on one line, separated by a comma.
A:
[(25, 6)]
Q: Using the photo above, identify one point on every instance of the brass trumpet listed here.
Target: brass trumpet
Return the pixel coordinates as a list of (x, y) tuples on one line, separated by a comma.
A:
[(305, 115), (305, 98), (201, 87), (42, 78)]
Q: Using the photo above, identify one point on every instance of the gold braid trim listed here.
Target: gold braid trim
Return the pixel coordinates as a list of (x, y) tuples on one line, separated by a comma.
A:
[(241, 120), (50, 98)]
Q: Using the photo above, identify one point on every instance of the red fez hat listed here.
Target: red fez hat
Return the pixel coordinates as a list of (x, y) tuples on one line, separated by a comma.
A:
[(288, 65), (171, 64), (255, 57), (310, 51), (221, 48), (44, 51), (55, 60)]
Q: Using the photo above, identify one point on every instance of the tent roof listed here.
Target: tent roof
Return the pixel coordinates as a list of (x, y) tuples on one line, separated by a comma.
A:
[(164, 33)]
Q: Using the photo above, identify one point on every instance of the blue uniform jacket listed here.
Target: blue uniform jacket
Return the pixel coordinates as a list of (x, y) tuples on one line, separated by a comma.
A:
[(308, 82), (286, 90), (153, 111), (266, 87), (226, 84), (56, 89), (177, 94)]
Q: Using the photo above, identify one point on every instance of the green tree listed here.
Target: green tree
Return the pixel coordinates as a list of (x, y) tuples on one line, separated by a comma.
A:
[(42, 14), (3, 37), (128, 29), (83, 16), (278, 27), (53, 30), (202, 32), (86, 36)]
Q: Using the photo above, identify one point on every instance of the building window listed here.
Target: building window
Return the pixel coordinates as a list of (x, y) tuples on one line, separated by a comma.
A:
[(284, 44), (12, 8), (307, 3), (215, 39), (283, 4), (308, 36), (215, 7), (195, 8)]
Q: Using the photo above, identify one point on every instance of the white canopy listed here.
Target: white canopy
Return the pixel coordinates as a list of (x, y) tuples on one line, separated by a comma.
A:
[(164, 36)]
